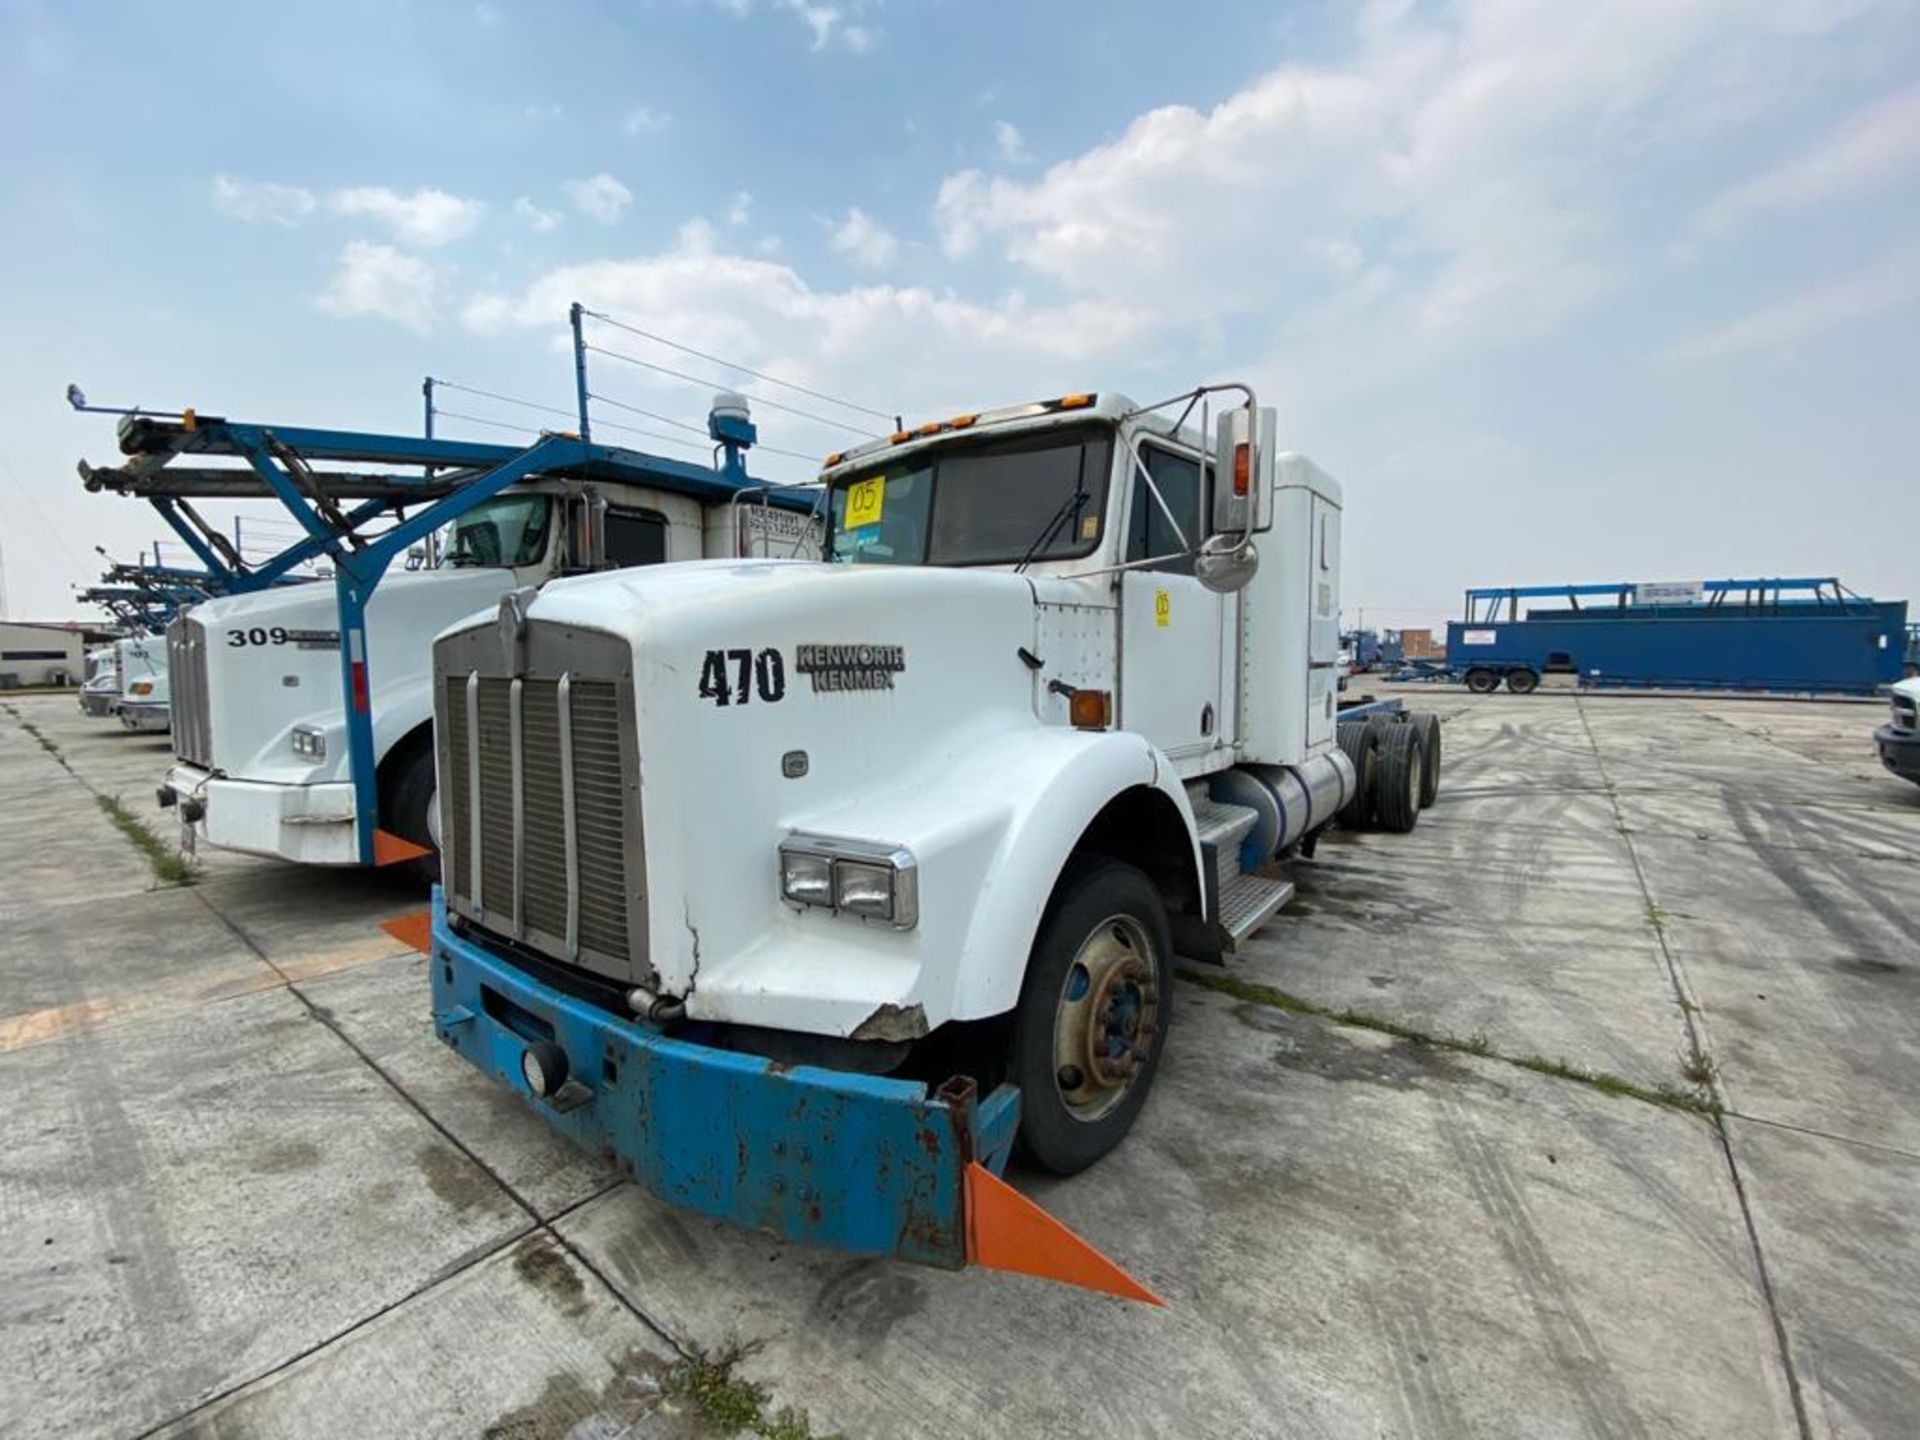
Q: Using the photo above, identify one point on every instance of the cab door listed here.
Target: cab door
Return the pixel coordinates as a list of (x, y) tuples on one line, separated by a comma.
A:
[(1171, 626)]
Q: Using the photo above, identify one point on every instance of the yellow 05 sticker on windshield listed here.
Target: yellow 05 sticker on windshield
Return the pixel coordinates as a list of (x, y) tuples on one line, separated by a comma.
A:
[(865, 500)]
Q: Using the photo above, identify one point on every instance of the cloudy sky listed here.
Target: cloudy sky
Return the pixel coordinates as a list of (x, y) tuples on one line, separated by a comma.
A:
[(1560, 291)]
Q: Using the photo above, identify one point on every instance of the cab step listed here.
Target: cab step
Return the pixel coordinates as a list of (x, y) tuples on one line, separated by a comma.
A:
[(1248, 901), (1245, 900)]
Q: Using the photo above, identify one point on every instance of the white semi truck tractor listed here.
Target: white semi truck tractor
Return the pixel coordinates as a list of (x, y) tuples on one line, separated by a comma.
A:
[(263, 760), (805, 887)]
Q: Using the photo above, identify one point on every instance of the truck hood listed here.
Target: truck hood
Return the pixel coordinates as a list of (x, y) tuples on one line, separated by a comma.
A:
[(272, 661), (781, 696)]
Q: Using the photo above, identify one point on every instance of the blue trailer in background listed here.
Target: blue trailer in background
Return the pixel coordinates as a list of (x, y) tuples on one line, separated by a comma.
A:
[(1793, 635)]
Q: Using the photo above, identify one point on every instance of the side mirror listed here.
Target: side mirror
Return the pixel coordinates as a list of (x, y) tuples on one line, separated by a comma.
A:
[(1225, 563), (1245, 444)]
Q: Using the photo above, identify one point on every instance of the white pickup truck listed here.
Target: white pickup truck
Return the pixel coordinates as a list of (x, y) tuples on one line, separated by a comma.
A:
[(1899, 739)]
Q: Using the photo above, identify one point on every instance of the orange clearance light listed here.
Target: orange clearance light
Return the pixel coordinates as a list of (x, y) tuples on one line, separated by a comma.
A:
[(1242, 469), (1073, 402), (961, 422), (900, 437), (932, 427), (834, 459), (1090, 709)]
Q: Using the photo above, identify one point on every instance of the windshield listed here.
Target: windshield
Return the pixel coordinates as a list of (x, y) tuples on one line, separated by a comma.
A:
[(991, 502), (506, 530)]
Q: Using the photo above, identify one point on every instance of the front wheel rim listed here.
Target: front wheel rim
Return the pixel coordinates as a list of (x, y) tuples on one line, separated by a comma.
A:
[(1106, 1019)]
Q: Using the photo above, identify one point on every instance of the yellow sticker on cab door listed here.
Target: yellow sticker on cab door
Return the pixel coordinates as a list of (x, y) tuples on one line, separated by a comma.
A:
[(865, 500), (1162, 609)]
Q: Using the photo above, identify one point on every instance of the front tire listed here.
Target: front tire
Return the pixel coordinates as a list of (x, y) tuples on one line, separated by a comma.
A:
[(1093, 1014), (412, 812)]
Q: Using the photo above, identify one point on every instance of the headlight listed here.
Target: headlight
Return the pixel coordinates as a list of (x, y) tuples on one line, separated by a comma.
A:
[(310, 741), (858, 877), (806, 878), (143, 687)]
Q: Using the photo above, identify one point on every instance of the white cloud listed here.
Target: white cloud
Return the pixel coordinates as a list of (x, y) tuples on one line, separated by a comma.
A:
[(768, 245), (381, 282), (741, 209), (261, 201), (865, 241), (542, 110), (427, 217), (1889, 284), (488, 17), (829, 26), (1488, 153), (910, 348), (1009, 142), (645, 120), (601, 198), (538, 220), (1876, 144)]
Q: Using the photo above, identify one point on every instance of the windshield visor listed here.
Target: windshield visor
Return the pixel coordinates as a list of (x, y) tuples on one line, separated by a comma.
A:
[(1037, 497)]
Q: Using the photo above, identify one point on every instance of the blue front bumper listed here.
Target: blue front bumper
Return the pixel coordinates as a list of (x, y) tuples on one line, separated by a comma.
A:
[(851, 1162)]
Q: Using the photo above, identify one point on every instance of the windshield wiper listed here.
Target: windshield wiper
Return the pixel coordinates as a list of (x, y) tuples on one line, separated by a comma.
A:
[(1069, 510)]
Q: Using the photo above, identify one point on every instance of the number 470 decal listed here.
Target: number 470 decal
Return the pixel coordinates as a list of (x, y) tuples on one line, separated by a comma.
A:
[(762, 671)]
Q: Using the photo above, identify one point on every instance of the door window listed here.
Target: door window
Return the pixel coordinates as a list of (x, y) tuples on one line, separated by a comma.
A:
[(1179, 481)]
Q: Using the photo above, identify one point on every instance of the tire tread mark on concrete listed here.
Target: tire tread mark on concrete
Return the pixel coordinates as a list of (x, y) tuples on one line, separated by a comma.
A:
[(439, 1278), (1843, 868), (538, 1223), (1576, 1350), (1690, 1010)]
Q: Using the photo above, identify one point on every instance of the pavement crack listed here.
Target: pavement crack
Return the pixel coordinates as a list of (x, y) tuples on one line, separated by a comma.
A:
[(1689, 1013), (1667, 1097), (543, 1224)]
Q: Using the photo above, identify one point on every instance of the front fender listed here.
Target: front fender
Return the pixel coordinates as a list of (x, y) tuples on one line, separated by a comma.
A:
[(1059, 780)]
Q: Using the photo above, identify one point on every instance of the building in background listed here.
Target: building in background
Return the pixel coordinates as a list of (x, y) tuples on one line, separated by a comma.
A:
[(53, 652)]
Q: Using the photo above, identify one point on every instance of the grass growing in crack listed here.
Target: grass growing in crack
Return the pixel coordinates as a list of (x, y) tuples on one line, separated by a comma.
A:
[(1657, 918), (34, 730), (170, 867), (727, 1405), (1671, 1097), (1700, 1069)]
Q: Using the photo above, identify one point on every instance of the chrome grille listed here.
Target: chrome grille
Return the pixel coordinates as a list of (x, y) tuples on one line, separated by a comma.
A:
[(187, 675), (540, 804)]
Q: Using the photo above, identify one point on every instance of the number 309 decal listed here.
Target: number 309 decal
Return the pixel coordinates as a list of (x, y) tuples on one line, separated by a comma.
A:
[(764, 673), (257, 636)]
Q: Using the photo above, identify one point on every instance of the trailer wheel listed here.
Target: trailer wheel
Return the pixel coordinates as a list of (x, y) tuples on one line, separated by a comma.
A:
[(412, 810), (1361, 742), (1093, 1014), (1482, 681), (1427, 726), (1396, 803), (1522, 681)]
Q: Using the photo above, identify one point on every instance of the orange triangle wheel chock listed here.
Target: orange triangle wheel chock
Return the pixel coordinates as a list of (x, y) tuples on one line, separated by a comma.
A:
[(390, 849), (1007, 1231), (415, 929)]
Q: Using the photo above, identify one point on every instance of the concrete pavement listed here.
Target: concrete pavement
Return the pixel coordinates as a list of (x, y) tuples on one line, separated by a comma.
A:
[(243, 1191)]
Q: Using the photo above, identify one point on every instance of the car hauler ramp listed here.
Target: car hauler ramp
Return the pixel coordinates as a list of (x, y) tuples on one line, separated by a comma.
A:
[(364, 499)]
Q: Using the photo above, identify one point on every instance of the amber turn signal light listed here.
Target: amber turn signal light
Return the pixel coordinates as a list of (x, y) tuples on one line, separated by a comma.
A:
[(1090, 709)]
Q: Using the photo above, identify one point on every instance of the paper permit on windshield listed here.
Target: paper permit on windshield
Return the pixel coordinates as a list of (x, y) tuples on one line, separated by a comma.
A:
[(865, 500)]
